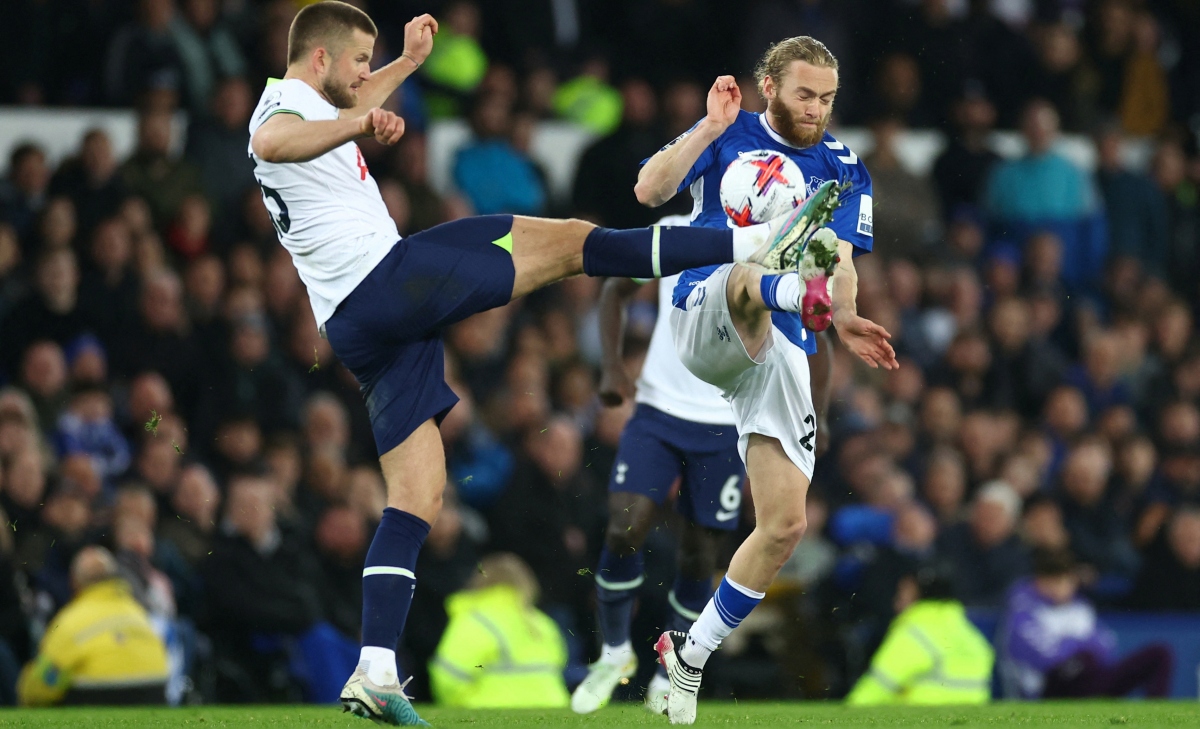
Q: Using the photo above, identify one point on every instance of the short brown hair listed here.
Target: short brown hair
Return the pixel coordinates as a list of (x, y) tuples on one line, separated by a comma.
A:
[(781, 55), (324, 23)]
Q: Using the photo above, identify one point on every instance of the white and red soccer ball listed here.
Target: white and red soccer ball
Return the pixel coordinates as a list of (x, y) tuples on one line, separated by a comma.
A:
[(759, 186)]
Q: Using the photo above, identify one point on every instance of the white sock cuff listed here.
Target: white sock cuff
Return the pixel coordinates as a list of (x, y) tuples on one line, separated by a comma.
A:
[(745, 590)]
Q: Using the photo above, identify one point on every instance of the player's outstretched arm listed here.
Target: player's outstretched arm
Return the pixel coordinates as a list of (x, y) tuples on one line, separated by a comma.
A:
[(660, 177), (289, 138), (615, 383), (418, 43), (866, 339)]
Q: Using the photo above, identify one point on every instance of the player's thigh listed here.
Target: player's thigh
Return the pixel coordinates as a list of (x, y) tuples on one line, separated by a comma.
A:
[(749, 314), (644, 472), (778, 485), (706, 339), (545, 251)]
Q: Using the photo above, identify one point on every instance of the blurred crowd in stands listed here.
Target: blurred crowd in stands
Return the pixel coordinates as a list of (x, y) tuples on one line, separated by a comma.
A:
[(166, 394)]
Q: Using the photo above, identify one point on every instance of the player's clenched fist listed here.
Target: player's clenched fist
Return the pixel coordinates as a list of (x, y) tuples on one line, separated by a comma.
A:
[(386, 127), (724, 101), (418, 37)]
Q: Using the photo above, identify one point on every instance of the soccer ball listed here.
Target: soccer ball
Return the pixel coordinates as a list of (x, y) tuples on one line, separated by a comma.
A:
[(759, 186)]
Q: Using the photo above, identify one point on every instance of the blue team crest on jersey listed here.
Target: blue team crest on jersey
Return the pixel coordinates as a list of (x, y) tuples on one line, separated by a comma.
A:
[(813, 184)]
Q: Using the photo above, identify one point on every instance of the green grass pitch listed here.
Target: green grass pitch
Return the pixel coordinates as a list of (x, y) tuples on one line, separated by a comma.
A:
[(712, 714)]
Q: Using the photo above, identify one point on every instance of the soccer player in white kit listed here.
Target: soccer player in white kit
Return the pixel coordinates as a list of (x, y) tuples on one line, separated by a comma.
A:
[(382, 302), (737, 327)]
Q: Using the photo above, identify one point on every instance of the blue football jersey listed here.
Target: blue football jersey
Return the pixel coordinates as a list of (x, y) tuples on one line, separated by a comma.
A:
[(827, 160)]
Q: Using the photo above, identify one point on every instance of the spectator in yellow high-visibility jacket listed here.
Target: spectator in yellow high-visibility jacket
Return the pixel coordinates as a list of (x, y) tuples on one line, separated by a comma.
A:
[(100, 648), (932, 654), (499, 651)]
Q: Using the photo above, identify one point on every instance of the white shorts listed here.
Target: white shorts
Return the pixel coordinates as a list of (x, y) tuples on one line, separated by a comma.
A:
[(770, 395)]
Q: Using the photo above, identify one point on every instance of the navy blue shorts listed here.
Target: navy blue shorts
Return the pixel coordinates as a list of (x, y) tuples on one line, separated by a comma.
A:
[(657, 448), (388, 331)]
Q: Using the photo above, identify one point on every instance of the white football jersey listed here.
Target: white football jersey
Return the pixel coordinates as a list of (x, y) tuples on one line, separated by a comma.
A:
[(665, 384), (327, 211)]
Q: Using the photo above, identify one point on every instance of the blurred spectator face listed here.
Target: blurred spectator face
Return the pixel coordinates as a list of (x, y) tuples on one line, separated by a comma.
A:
[(1010, 324), (232, 103), (80, 470), (1179, 424), (243, 301), (368, 494), (246, 266), (969, 354), (1173, 331), (1020, 472), (68, 513), (58, 280), (1045, 315), (10, 250), (250, 510), (204, 283), (240, 441), (1042, 526), (799, 116), (282, 284), (200, 14), (561, 336), (150, 257), (906, 384), (576, 389), (965, 236), (866, 475), (980, 442), (1169, 166), (251, 345), (481, 335), (92, 406), (528, 371), (136, 213), (137, 504), (326, 476), (1184, 537), (538, 92), (1108, 148), (97, 156), (1066, 412), (189, 232), (1187, 377), (1043, 257), (641, 106), (491, 117), (58, 223), (1002, 276), (149, 394), (397, 202), (1117, 423), (196, 498), (904, 283), (1136, 462), (154, 129), (162, 305), (326, 422), (1058, 589), (941, 414), (1102, 359), (1039, 126), (112, 245), (893, 491), (462, 18), (994, 515), (900, 82), (683, 104), (284, 466), (914, 529), (1116, 23), (44, 369), (29, 173), (134, 537), (341, 533), (25, 480), (158, 464), (975, 114), (1085, 473), (156, 14), (412, 158), (557, 450), (1059, 48)]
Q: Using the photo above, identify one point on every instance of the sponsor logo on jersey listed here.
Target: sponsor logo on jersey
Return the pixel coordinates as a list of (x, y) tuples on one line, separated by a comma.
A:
[(866, 216)]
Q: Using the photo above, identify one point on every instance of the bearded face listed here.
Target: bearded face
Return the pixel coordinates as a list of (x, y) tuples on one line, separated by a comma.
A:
[(794, 126), (338, 90)]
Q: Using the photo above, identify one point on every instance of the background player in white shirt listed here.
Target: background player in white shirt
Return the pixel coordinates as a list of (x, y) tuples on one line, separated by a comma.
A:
[(737, 328), (383, 302)]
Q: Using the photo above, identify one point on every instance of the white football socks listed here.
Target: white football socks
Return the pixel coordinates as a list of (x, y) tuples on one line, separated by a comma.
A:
[(617, 655), (381, 664), (747, 241), (710, 628), (787, 294)]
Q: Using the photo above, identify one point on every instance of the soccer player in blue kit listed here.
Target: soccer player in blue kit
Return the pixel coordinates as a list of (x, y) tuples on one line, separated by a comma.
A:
[(383, 302), (738, 327)]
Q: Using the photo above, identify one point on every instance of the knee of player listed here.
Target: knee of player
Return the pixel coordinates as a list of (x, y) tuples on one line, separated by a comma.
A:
[(786, 533)]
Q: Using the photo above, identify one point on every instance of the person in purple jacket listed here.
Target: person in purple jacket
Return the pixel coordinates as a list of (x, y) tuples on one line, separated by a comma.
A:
[(1053, 646)]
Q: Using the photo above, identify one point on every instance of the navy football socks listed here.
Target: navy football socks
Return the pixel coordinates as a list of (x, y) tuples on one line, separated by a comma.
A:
[(617, 580), (654, 252), (388, 577)]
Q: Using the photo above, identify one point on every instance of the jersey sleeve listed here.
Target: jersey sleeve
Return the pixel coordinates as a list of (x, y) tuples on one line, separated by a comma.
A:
[(853, 221), (286, 97), (702, 165)]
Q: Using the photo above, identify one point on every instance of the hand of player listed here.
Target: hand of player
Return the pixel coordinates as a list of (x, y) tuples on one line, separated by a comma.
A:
[(615, 386), (386, 127), (724, 101), (867, 340), (418, 37)]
